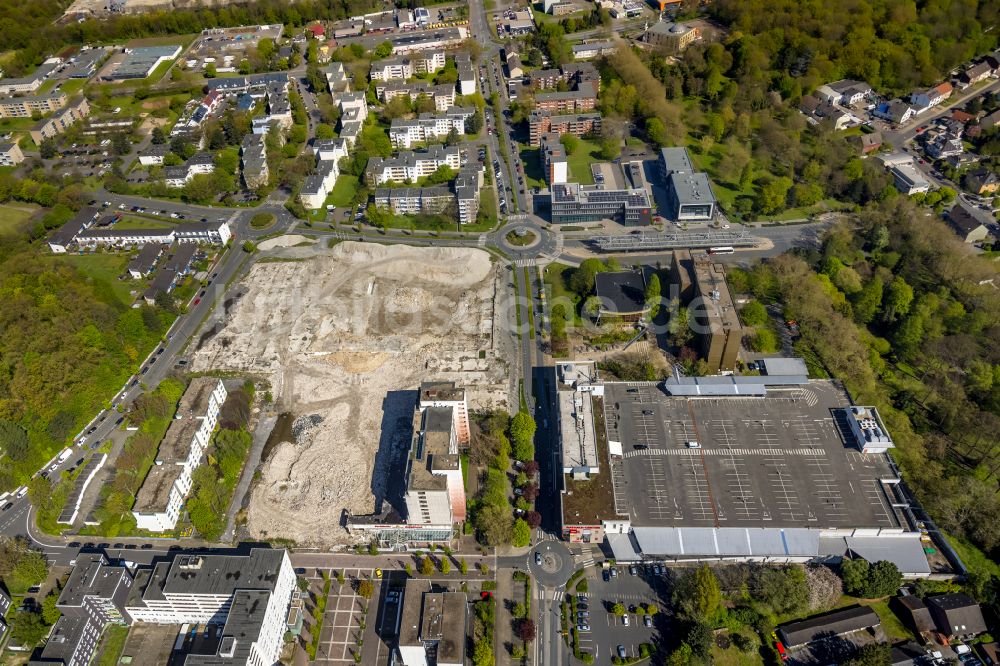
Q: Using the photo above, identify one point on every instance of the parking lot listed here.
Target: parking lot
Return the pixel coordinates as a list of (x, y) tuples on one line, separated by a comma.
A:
[(607, 631), (742, 462)]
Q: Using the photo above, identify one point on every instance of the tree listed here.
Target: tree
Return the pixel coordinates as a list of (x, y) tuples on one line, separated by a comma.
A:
[(570, 142), (249, 246), (13, 440), (773, 195), (158, 136), (653, 294), (48, 149), (652, 609), (522, 432), (445, 565), (50, 613), (764, 340), (383, 50), (698, 595), (897, 300), (868, 301), (618, 609), (870, 581), (210, 71), (582, 279), (533, 518), (365, 589), (463, 566), (120, 143), (525, 630), (521, 534), (656, 131), (754, 314), (519, 611), (871, 654), (27, 628), (427, 565), (681, 656)]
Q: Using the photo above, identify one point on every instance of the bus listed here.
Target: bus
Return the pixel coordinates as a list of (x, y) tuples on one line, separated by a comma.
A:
[(721, 250)]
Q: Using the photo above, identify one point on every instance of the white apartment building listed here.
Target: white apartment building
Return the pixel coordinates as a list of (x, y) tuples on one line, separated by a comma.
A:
[(247, 594), (190, 232), (428, 127), (161, 496), (434, 488), (408, 66), (317, 187), (443, 95), (411, 166)]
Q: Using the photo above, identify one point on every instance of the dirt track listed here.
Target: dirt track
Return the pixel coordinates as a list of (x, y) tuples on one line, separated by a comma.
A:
[(336, 333)]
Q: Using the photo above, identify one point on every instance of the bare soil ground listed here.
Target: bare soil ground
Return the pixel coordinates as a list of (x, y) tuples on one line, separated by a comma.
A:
[(339, 332)]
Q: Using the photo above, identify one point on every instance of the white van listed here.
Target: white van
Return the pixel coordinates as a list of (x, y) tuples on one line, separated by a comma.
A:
[(693, 445), (22, 491)]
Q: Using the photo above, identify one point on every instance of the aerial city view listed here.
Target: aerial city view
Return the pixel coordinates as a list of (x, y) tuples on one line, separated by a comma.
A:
[(497, 333)]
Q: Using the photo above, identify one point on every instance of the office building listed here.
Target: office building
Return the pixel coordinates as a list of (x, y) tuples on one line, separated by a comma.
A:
[(573, 203), (435, 493), (92, 599), (432, 626), (689, 192), (552, 154)]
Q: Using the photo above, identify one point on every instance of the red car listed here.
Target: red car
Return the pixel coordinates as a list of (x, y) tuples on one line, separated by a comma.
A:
[(197, 301)]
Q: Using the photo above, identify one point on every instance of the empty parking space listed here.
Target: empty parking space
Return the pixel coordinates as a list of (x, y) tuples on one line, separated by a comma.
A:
[(779, 460)]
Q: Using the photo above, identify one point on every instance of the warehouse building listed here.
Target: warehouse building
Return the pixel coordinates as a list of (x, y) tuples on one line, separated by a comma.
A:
[(840, 622), (730, 468)]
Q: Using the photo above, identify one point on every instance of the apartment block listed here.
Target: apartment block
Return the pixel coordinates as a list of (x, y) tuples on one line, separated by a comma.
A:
[(584, 98), (429, 126), (577, 124), (24, 107), (702, 287), (159, 500), (61, 120), (443, 95), (407, 66), (411, 166), (10, 154), (555, 164)]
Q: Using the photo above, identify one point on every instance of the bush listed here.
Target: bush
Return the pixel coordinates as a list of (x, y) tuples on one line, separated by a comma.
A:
[(870, 581), (754, 314), (764, 341)]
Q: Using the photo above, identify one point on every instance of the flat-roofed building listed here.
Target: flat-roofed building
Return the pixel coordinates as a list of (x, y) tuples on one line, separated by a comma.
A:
[(432, 628), (689, 192), (411, 166), (161, 496), (908, 179), (622, 295), (246, 596), (30, 83), (429, 126), (435, 492), (140, 62), (840, 622), (407, 66), (719, 329), (555, 164), (572, 203), (92, 599)]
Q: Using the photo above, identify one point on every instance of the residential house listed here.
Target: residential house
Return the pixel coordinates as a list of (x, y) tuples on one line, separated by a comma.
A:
[(466, 73), (577, 124), (514, 68), (847, 92), (974, 74), (25, 107), (867, 143), (153, 155), (817, 111), (840, 622), (969, 228), (914, 613), (584, 98), (593, 50), (555, 164), (429, 126), (412, 166), (922, 100), (253, 158), (956, 615), (944, 145), (979, 181), (145, 262), (897, 112)]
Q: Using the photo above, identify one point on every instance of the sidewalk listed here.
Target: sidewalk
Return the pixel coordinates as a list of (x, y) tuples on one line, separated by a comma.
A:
[(503, 636), (260, 435)]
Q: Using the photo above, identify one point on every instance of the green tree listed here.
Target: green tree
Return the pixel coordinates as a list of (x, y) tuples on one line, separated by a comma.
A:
[(249, 246), (210, 71), (365, 589), (445, 565), (764, 341), (754, 314), (519, 611), (773, 195), (48, 149), (50, 613), (618, 609), (522, 432), (27, 628), (698, 595), (570, 142), (383, 50), (657, 131), (897, 300), (581, 280), (866, 303), (427, 565), (521, 535), (653, 294), (463, 566), (13, 440), (652, 609), (871, 654)]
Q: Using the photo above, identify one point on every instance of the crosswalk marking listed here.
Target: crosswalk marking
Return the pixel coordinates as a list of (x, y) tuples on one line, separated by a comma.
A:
[(724, 452), (482, 240)]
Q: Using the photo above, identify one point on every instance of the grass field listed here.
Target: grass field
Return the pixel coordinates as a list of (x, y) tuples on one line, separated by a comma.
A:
[(104, 269), (112, 643), (13, 215), (343, 191), (533, 174), (142, 223), (579, 162)]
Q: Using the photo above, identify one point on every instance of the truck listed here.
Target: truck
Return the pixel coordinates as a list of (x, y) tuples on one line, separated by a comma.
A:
[(21, 492), (66, 453)]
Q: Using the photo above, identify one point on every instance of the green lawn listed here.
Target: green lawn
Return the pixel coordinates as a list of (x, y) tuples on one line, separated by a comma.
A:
[(112, 643), (533, 174), (579, 162), (104, 269), (731, 656), (974, 559), (343, 191), (142, 223), (12, 215), (825, 206)]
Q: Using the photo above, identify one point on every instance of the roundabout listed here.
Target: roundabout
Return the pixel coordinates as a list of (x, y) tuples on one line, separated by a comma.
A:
[(551, 563), (525, 239)]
